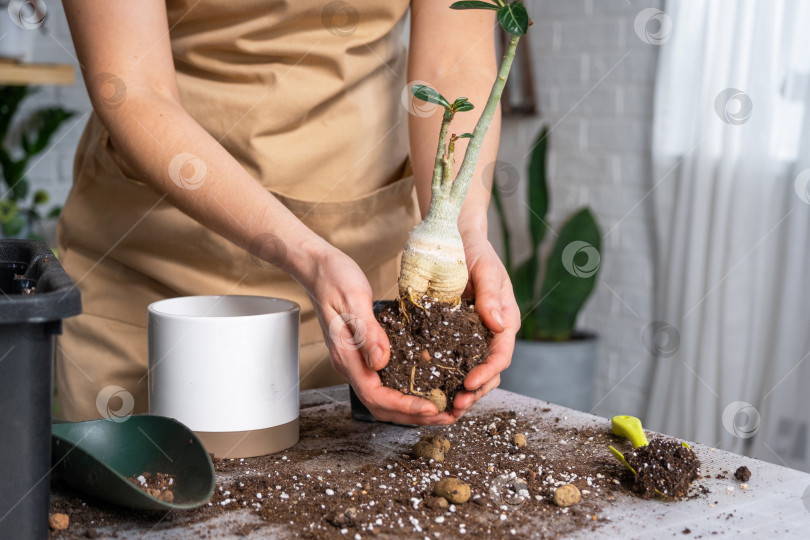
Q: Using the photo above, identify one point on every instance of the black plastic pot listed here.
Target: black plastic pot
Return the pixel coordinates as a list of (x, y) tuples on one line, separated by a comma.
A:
[(359, 411), (35, 295)]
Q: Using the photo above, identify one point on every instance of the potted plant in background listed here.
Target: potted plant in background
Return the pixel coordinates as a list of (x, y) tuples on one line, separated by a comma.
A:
[(553, 360), (21, 211)]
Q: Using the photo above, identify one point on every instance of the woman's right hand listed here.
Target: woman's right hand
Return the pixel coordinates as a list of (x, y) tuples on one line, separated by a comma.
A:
[(358, 346)]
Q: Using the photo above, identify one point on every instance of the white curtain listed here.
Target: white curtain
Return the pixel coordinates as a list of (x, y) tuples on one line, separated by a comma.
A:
[(731, 199)]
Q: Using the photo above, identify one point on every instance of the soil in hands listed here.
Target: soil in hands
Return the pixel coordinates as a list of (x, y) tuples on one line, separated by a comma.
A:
[(433, 348), (664, 467), (159, 485)]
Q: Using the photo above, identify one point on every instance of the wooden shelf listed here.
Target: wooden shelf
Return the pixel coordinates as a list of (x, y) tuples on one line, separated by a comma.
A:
[(12, 73)]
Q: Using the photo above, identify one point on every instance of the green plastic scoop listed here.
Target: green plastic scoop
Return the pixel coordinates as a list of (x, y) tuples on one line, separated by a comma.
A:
[(99, 456), (630, 427)]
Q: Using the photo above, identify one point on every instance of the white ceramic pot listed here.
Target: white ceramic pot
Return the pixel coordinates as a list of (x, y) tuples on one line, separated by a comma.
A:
[(227, 367), (562, 372)]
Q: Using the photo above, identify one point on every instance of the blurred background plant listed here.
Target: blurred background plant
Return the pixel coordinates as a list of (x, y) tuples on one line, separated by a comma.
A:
[(550, 311), (21, 207)]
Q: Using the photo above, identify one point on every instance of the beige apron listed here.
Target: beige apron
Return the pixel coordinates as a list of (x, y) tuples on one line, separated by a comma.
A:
[(305, 94)]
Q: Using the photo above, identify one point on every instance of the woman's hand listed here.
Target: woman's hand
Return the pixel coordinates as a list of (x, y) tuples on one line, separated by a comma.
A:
[(495, 304), (358, 346)]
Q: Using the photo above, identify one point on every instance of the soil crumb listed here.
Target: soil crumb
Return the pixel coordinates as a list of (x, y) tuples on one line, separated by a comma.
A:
[(663, 467), (158, 485), (433, 349), (743, 474)]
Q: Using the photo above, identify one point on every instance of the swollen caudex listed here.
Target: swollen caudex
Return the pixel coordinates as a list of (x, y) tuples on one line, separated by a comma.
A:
[(433, 263)]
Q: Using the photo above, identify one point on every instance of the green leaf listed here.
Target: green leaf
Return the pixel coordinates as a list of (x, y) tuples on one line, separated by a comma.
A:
[(41, 197), (10, 99), (19, 189), (8, 210), (472, 4), (538, 189), (14, 226), (524, 279), (429, 95), (45, 123), (514, 18), (571, 272), (467, 136), (464, 107), (55, 211)]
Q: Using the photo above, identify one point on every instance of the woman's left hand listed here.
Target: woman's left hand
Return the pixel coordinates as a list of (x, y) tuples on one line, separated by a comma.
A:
[(495, 303)]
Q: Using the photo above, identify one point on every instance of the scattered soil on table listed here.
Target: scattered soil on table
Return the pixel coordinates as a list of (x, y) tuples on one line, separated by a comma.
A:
[(434, 348), (743, 474), (159, 485), (663, 467), (343, 481), (357, 487)]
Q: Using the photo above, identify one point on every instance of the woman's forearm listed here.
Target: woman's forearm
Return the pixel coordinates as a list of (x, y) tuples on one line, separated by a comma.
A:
[(158, 143), (454, 53)]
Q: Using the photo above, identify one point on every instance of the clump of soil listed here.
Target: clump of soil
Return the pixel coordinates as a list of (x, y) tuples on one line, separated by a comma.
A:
[(663, 467), (159, 485), (433, 349), (743, 474)]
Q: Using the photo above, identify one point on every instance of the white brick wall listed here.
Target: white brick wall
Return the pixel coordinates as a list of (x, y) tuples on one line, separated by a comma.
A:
[(594, 82)]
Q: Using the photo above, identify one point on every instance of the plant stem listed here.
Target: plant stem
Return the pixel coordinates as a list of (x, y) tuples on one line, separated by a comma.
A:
[(437, 166), (462, 182)]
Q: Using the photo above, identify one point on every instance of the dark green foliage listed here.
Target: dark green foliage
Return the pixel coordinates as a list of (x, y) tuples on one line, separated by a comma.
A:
[(472, 4), (35, 135), (570, 278), (431, 95), (512, 17), (572, 265)]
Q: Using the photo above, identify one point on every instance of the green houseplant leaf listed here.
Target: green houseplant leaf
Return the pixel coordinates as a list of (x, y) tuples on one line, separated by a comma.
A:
[(35, 134), (429, 95), (538, 189), (46, 122), (514, 18), (8, 210), (571, 272), (473, 4)]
